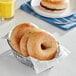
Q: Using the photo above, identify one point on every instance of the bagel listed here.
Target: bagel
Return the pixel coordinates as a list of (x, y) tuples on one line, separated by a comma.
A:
[(24, 39), (42, 45), (55, 6), (17, 34)]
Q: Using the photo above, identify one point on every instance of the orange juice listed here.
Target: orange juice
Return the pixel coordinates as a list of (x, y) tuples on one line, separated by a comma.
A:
[(7, 8), (0, 10)]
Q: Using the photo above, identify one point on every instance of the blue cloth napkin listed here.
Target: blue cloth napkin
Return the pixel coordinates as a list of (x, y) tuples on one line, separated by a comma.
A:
[(58, 22)]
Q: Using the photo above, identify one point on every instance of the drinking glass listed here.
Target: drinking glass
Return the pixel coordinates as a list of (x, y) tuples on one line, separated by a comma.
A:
[(7, 9)]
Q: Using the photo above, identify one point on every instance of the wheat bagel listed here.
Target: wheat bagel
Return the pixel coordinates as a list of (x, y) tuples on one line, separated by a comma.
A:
[(17, 34), (24, 39), (54, 6), (42, 46)]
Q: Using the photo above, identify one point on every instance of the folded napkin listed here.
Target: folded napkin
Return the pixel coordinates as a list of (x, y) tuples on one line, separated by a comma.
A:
[(65, 23), (40, 66)]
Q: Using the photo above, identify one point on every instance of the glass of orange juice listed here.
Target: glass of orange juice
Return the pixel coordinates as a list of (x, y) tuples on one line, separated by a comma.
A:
[(7, 9), (0, 11)]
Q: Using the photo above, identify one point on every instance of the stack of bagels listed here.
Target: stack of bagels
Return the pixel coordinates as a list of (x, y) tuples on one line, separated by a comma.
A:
[(29, 40)]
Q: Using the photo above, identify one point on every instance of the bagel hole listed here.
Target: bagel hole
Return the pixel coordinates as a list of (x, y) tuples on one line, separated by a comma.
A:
[(43, 47)]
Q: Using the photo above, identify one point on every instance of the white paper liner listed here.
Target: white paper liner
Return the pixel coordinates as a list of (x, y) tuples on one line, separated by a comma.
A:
[(40, 66)]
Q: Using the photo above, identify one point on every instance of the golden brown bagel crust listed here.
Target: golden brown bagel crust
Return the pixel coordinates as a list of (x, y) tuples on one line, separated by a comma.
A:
[(54, 4), (17, 33), (42, 46), (24, 39)]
